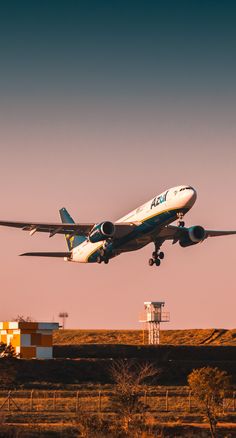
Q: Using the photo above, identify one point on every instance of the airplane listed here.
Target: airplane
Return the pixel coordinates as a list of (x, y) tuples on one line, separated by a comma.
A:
[(151, 222)]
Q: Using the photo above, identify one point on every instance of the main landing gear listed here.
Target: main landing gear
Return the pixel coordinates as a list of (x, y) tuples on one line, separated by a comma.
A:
[(157, 256), (102, 257)]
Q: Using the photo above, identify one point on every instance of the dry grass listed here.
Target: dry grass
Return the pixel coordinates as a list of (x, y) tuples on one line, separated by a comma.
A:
[(154, 428), (135, 337), (150, 426)]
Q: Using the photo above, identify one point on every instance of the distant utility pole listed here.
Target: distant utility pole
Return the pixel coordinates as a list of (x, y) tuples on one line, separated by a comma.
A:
[(63, 316)]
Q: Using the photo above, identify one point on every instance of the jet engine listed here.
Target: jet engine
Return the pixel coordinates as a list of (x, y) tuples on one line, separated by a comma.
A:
[(192, 236), (102, 231)]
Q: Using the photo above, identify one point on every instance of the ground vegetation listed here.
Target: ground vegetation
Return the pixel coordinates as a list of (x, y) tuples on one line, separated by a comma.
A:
[(208, 385)]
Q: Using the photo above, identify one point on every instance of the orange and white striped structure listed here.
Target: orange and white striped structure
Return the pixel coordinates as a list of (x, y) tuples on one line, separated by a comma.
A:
[(30, 339)]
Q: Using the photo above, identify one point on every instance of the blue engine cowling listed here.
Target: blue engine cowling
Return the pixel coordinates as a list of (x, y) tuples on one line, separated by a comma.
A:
[(102, 231), (192, 236)]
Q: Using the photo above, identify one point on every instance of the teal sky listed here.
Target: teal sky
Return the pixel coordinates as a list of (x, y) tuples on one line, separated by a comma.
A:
[(117, 48), (103, 105)]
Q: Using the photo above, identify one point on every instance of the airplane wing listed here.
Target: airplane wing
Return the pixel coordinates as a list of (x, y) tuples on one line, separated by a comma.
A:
[(47, 254), (121, 228), (51, 228), (172, 232), (212, 233)]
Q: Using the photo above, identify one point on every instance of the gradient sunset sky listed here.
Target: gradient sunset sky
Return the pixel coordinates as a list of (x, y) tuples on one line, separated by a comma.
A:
[(103, 105)]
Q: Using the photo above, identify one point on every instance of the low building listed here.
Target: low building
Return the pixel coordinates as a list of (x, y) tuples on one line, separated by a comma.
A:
[(31, 340)]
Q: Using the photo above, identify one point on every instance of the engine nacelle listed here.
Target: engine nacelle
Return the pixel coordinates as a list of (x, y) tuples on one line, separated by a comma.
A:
[(102, 231), (193, 236)]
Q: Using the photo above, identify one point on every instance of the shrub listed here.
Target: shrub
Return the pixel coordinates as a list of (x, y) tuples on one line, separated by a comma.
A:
[(208, 386)]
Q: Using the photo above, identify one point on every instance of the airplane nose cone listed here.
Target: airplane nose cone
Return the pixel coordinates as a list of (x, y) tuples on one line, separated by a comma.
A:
[(191, 197)]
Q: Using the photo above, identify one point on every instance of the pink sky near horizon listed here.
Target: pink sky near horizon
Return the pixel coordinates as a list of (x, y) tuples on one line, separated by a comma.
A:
[(101, 161)]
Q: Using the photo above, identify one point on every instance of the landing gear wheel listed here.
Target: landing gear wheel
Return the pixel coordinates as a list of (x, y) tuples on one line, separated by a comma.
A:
[(106, 261), (157, 255), (180, 216), (99, 259), (151, 262)]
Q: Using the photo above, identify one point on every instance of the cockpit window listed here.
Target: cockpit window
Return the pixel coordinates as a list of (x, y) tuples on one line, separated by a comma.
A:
[(186, 188)]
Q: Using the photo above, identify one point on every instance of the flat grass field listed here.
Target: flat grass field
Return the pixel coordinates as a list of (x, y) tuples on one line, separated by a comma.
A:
[(138, 337)]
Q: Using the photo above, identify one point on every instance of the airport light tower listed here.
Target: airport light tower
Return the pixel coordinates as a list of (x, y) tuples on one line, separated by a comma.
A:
[(154, 315)]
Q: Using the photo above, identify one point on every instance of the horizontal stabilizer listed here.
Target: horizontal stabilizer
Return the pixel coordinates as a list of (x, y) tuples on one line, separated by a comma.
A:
[(47, 254)]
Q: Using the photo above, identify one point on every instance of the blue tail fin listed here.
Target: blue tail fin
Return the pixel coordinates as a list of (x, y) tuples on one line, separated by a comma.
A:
[(72, 241)]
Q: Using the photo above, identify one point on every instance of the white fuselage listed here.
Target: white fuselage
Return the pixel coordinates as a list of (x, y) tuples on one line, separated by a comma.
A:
[(174, 199)]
